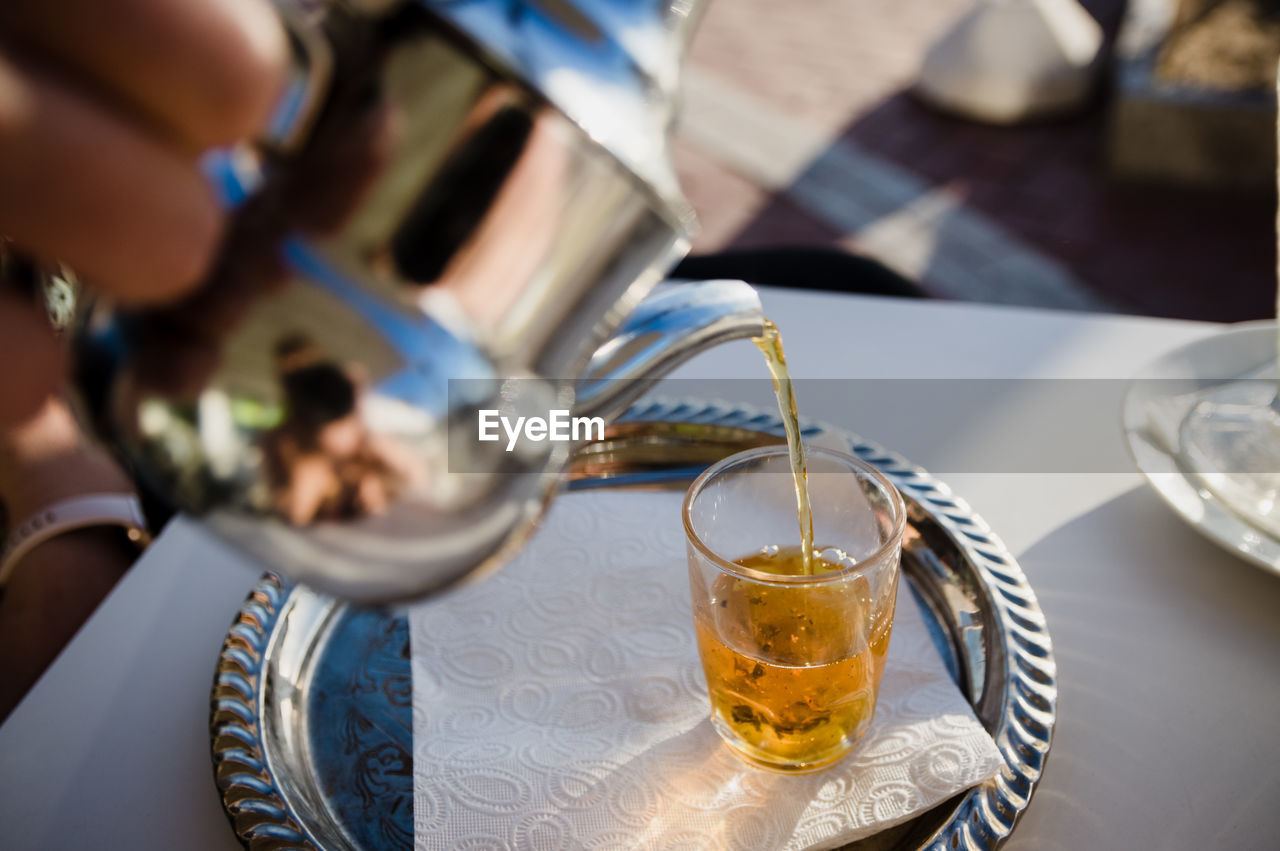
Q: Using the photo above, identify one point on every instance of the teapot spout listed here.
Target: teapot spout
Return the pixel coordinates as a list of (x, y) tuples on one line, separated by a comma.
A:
[(674, 323)]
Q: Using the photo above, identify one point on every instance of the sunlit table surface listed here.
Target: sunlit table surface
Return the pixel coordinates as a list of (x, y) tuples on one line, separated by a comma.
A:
[(1168, 648)]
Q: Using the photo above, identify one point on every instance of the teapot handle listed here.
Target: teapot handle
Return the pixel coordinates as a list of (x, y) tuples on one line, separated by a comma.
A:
[(234, 171)]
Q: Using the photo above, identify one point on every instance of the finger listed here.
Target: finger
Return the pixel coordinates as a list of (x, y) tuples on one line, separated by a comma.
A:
[(210, 72), (79, 185), (32, 360)]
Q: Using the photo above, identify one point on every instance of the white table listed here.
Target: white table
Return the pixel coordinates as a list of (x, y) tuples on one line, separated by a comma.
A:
[(1167, 647)]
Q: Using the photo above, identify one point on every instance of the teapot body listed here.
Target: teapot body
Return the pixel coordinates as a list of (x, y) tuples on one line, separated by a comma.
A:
[(441, 225)]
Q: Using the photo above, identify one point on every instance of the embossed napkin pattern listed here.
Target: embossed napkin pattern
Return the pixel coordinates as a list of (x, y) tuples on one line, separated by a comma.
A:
[(561, 704)]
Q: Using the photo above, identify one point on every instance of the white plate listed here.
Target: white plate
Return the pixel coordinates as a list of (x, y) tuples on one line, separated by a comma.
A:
[(1153, 402)]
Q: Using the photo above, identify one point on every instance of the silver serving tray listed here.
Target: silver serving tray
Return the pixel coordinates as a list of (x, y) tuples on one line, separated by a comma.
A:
[(311, 720)]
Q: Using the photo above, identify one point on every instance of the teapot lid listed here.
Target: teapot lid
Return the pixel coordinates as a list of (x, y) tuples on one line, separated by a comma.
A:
[(611, 66)]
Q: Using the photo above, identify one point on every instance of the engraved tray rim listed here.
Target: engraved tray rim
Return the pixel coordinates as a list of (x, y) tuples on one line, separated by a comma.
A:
[(1008, 672)]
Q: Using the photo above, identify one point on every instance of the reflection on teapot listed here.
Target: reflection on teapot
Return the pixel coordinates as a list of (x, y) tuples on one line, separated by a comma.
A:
[(459, 209)]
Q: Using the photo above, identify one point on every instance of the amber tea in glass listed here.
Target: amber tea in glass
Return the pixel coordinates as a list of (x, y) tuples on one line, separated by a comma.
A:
[(793, 652)]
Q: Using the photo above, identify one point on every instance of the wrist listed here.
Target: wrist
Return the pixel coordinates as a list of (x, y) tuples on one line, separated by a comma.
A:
[(45, 460), (84, 511)]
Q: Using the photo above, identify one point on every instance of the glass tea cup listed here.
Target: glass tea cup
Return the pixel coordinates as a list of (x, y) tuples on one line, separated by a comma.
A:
[(793, 655)]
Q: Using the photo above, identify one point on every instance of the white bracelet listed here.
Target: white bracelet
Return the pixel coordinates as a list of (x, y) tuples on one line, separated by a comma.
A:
[(78, 512)]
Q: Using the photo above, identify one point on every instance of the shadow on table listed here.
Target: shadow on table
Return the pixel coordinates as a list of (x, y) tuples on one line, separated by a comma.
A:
[(1167, 651), (1024, 215)]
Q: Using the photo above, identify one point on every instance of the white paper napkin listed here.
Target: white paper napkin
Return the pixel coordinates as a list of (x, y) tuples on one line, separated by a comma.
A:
[(561, 704)]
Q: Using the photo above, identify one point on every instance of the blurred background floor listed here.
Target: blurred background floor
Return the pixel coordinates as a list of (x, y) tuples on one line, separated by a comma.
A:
[(798, 131)]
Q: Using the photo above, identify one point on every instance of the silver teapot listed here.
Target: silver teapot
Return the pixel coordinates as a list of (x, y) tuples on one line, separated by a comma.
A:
[(455, 218)]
